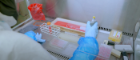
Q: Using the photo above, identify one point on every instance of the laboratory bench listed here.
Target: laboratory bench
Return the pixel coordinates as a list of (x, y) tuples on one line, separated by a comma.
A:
[(67, 51)]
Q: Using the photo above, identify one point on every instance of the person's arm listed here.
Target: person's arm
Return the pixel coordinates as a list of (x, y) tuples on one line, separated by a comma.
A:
[(88, 47), (17, 46)]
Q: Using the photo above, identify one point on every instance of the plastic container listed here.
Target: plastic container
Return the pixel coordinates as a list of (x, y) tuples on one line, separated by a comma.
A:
[(137, 47), (115, 36), (93, 21), (48, 29), (104, 52)]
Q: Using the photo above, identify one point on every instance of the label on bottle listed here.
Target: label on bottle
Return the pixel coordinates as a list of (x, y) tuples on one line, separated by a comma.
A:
[(117, 34)]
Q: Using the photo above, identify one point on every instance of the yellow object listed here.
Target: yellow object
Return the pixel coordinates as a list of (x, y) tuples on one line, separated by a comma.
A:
[(115, 36), (93, 17), (116, 53), (48, 23)]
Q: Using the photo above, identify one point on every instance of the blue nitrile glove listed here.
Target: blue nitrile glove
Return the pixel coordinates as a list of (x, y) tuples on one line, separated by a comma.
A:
[(38, 37), (88, 47), (91, 31), (31, 34)]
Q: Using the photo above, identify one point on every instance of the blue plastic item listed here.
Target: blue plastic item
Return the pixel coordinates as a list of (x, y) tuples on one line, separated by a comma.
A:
[(31, 34), (37, 37), (88, 49), (91, 31)]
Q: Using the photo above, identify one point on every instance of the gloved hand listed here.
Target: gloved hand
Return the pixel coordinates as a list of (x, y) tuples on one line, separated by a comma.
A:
[(88, 47), (31, 34), (91, 31), (38, 37)]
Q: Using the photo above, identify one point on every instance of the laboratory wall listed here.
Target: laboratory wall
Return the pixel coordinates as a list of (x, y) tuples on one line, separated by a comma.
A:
[(113, 14)]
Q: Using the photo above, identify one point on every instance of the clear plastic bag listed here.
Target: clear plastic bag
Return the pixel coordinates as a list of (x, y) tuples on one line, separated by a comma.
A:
[(36, 11)]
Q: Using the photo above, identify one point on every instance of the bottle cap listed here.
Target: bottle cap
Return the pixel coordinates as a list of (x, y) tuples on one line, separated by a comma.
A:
[(93, 17), (48, 23)]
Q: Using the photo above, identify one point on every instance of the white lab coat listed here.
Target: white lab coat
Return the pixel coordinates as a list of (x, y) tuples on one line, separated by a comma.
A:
[(17, 46)]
